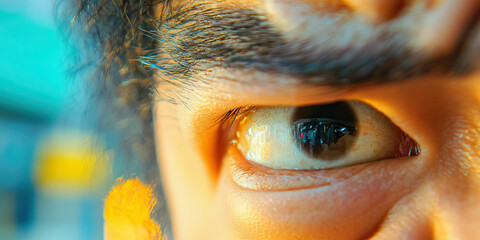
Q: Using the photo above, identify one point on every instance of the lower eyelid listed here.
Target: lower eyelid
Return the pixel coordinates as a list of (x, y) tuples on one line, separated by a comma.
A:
[(253, 176)]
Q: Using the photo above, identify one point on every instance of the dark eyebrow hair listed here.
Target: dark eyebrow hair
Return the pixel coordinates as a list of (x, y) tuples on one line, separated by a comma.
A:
[(198, 37)]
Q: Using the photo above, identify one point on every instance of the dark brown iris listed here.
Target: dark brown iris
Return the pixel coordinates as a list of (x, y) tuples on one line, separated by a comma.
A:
[(324, 131)]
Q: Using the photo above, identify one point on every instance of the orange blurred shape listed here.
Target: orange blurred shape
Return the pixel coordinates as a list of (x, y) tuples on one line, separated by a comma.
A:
[(128, 210)]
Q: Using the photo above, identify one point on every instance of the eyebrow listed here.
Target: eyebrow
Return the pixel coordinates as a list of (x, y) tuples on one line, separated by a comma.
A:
[(198, 37)]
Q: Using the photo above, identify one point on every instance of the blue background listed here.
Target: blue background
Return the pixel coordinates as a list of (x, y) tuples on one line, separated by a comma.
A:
[(34, 91)]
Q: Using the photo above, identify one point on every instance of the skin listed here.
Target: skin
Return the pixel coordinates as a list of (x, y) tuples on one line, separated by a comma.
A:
[(435, 195)]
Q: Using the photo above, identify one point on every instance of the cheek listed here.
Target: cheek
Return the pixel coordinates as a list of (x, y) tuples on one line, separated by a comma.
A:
[(348, 209), (186, 178)]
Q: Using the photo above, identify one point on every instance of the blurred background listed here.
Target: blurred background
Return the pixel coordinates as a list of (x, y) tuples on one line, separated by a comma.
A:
[(52, 175)]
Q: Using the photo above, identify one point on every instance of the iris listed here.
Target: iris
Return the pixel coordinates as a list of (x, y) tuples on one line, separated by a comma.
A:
[(324, 131)]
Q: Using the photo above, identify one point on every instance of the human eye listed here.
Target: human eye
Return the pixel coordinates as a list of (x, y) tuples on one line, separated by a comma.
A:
[(314, 138), (320, 136)]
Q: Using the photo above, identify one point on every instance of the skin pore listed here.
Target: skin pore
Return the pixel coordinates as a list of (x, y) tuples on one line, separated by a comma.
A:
[(427, 84)]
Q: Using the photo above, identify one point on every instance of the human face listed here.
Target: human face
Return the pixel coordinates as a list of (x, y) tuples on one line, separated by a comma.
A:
[(409, 70)]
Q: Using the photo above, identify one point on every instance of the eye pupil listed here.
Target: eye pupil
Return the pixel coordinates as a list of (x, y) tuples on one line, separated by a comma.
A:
[(324, 131), (322, 138)]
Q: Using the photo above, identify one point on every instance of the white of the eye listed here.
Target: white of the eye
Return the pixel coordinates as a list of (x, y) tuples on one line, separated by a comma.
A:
[(264, 134), (265, 138)]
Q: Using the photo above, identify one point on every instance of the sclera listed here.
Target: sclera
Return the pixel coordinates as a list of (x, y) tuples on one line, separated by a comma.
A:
[(265, 137)]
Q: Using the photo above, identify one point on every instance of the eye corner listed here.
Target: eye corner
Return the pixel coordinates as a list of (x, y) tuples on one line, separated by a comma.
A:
[(408, 147)]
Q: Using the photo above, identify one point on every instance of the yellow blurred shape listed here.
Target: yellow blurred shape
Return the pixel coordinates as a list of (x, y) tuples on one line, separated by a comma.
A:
[(71, 161), (128, 210)]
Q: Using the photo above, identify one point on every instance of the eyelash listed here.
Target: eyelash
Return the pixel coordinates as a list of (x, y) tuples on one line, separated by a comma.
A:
[(228, 118)]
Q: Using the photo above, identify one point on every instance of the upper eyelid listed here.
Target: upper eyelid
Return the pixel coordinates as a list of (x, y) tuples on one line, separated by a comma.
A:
[(228, 106), (229, 117)]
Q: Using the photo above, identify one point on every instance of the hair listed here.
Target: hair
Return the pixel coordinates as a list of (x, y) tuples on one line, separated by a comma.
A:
[(108, 38)]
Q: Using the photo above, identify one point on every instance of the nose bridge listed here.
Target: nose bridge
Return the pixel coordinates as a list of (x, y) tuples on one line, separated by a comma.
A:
[(458, 220), (455, 207), (455, 179)]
